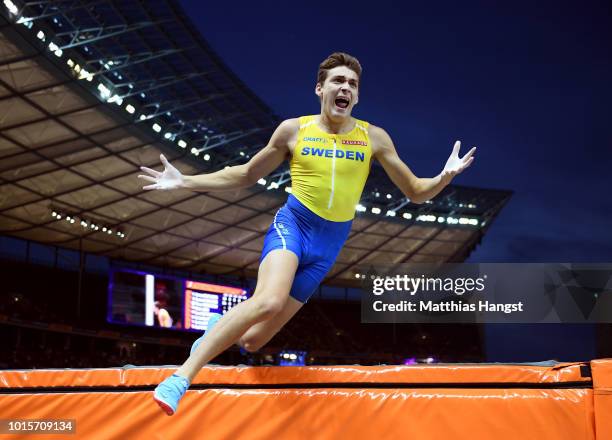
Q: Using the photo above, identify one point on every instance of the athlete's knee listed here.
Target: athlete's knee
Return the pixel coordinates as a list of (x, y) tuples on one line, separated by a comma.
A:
[(251, 344), (266, 308)]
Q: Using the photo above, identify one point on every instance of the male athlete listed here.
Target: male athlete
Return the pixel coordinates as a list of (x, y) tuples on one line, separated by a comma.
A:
[(330, 156)]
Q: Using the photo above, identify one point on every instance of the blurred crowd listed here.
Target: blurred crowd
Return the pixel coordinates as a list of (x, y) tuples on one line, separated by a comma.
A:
[(48, 331)]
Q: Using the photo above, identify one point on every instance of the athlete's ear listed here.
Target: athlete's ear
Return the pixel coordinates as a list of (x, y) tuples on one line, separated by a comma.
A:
[(318, 90)]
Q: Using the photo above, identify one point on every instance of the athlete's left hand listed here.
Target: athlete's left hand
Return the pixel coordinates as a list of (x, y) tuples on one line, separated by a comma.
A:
[(455, 164)]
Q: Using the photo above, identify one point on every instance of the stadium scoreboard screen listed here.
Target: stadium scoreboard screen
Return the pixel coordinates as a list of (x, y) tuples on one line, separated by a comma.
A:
[(203, 299), (154, 300)]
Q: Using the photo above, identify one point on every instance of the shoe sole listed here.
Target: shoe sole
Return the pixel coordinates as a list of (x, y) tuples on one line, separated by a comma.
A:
[(163, 405)]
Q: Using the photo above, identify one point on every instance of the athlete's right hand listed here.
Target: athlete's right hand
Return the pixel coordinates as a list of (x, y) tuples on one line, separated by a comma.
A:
[(170, 178)]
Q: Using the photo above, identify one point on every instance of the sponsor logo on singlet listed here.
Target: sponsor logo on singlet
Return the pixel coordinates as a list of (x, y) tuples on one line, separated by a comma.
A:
[(314, 139), (350, 142), (329, 153)]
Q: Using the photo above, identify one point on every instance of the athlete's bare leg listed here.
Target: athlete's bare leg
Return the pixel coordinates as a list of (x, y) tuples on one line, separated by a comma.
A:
[(274, 281), (259, 334)]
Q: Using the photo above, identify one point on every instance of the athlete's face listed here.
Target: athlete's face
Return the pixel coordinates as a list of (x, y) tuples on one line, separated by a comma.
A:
[(339, 92)]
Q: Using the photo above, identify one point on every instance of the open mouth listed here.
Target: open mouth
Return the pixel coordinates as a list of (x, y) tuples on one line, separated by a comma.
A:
[(342, 102)]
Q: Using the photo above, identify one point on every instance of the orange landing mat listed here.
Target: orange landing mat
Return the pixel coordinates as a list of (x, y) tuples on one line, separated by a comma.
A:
[(449, 401)]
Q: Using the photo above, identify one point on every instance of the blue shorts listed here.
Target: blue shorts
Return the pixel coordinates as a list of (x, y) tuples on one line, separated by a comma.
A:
[(315, 241)]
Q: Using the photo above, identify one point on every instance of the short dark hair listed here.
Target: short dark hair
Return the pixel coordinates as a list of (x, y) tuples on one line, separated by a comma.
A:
[(338, 59)]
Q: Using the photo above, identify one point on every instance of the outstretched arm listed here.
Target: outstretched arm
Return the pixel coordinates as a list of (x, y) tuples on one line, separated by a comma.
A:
[(240, 176), (417, 189)]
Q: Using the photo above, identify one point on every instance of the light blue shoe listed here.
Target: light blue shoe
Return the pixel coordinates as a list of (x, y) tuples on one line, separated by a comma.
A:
[(214, 318), (168, 393)]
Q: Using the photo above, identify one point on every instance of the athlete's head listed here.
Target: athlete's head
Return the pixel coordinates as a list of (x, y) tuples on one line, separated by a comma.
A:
[(338, 84)]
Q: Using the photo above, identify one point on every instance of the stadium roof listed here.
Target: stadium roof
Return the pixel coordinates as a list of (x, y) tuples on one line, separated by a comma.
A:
[(90, 91)]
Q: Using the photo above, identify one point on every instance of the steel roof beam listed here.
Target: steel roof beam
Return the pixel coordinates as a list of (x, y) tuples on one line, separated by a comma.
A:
[(80, 37), (155, 84), (56, 9)]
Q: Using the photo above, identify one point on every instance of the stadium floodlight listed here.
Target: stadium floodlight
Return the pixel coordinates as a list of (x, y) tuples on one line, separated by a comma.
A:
[(357, 275), (441, 219), (84, 74), (377, 194), (26, 21), (426, 218), (376, 210), (142, 117), (195, 151), (262, 181), (473, 222), (156, 127), (55, 49), (104, 229), (360, 208), (104, 91), (54, 214), (116, 99), (130, 109), (11, 7), (182, 143), (207, 156), (463, 221), (390, 213), (388, 196), (407, 215), (167, 135)]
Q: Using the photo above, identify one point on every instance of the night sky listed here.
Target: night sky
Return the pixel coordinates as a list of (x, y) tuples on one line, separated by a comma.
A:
[(530, 86)]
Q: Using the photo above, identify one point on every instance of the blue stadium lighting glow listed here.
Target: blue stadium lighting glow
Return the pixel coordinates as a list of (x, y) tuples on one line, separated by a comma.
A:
[(292, 358)]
